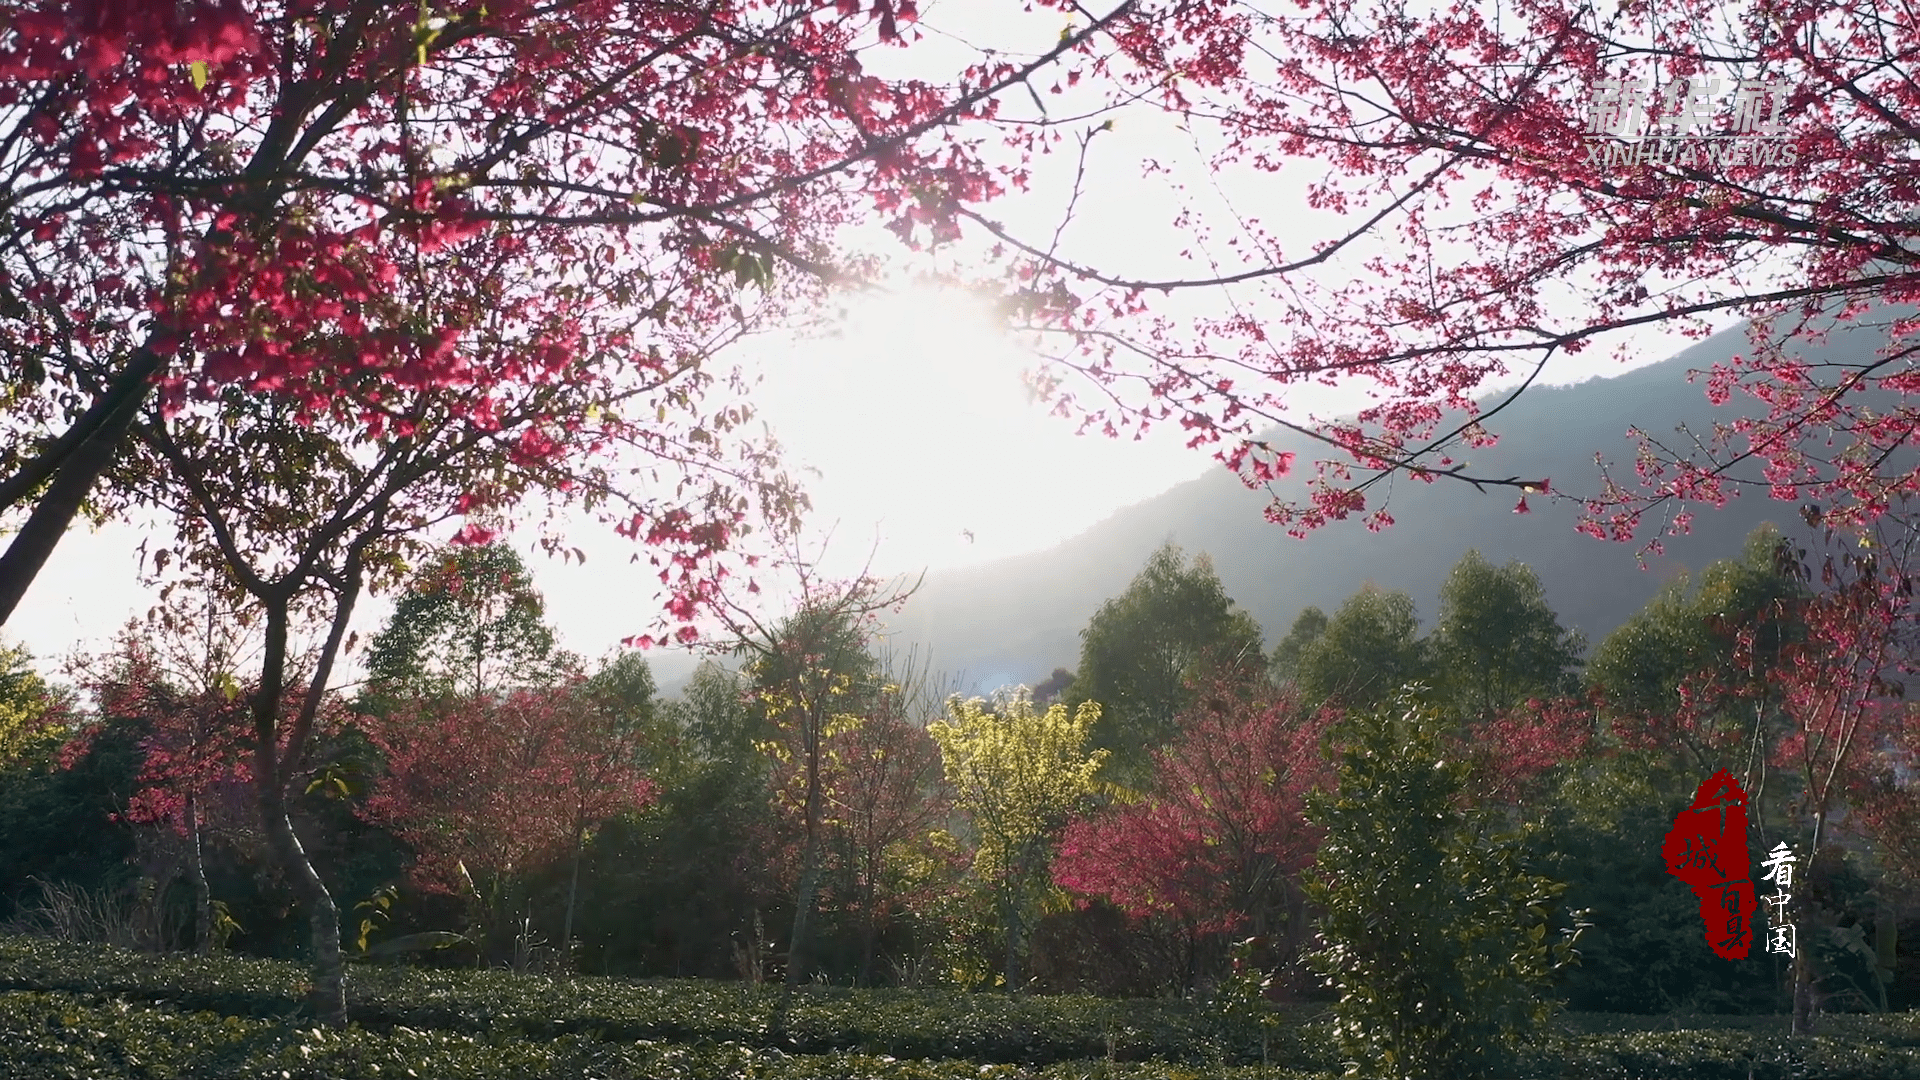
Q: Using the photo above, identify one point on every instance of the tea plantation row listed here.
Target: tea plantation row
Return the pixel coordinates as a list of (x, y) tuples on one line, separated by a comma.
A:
[(71, 1011)]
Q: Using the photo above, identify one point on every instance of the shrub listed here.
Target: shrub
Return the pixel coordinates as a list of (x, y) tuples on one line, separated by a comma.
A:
[(1435, 934)]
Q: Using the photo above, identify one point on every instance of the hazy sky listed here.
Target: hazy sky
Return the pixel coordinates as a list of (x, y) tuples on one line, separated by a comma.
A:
[(915, 414)]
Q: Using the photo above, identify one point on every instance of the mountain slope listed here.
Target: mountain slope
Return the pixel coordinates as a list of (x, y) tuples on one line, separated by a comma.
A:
[(1015, 619)]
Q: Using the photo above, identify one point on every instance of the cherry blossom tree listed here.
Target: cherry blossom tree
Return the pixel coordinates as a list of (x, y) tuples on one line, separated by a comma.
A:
[(193, 748), (165, 159), (888, 795), (488, 789), (1516, 751), (1840, 686), (303, 513), (1219, 838), (180, 674), (1480, 225), (1822, 668), (222, 195)]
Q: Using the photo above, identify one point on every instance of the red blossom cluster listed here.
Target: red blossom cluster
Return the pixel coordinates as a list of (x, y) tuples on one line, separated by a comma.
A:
[(503, 783), (198, 747), (1221, 827)]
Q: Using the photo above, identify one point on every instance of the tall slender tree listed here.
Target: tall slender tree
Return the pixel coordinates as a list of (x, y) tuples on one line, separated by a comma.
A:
[(812, 676), (1496, 642), (1840, 688), (304, 512), (1173, 624)]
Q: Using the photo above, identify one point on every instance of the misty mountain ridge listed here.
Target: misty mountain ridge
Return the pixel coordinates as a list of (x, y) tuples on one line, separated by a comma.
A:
[(1015, 619)]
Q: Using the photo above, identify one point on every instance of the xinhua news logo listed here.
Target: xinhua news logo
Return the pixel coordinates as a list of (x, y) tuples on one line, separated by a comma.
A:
[(1635, 122)]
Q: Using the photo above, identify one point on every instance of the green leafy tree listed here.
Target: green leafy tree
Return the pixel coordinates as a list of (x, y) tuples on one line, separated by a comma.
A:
[(1306, 629), (671, 890), (1436, 932), (1685, 696), (1497, 643), (28, 718), (1143, 647), (1690, 625), (624, 690), (1644, 952), (1370, 648), (1020, 775), (717, 719), (61, 801), (469, 624)]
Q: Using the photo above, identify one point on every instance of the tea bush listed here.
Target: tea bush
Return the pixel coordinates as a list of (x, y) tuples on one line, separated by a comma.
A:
[(71, 1012)]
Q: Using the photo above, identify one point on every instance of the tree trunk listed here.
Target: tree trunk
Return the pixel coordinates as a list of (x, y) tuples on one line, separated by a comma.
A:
[(871, 917), (868, 938), (1802, 958), (802, 918), (1011, 969), (573, 895), (202, 892), (809, 873), (803, 905), (77, 474), (328, 998)]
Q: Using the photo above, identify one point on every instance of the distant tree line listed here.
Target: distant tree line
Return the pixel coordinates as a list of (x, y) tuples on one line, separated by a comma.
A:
[(817, 808)]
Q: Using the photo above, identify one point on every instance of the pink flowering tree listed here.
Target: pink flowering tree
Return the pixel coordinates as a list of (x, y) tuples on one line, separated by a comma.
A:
[(225, 195), (1516, 752), (1218, 840), (1840, 687), (175, 675), (488, 790)]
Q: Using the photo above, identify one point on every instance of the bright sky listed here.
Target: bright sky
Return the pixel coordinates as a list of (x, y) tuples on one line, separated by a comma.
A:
[(915, 415)]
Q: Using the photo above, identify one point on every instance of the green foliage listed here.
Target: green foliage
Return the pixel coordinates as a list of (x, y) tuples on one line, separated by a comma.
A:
[(1142, 647), (499, 1006), (1369, 649), (817, 663), (1736, 1055), (1644, 951), (1019, 775), (714, 717), (470, 622), (623, 688), (1436, 933), (59, 822), (1497, 643), (667, 890), (1240, 1000), (1306, 629), (24, 702), (1687, 627)]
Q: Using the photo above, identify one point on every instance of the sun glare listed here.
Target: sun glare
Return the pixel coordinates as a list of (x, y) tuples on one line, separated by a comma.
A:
[(913, 408)]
